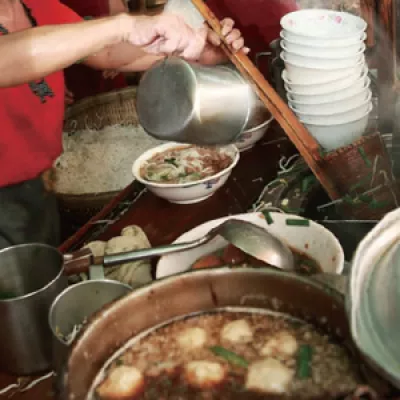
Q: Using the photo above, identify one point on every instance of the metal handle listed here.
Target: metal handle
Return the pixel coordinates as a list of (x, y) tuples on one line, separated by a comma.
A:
[(122, 258)]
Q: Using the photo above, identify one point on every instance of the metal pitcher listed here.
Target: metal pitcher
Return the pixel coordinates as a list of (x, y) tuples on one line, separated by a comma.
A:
[(31, 276), (184, 102)]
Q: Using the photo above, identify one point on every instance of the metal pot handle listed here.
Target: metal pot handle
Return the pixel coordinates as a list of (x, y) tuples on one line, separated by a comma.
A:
[(78, 262)]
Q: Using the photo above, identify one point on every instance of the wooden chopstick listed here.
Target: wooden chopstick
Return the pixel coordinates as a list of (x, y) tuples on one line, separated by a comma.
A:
[(297, 133)]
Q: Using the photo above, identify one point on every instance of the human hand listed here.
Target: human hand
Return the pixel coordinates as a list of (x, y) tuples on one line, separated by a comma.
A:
[(167, 34), (233, 37)]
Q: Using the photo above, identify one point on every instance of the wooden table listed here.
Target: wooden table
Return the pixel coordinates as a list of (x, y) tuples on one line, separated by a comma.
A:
[(163, 222)]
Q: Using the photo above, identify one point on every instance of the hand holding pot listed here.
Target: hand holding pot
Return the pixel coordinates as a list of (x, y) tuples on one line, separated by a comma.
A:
[(165, 35)]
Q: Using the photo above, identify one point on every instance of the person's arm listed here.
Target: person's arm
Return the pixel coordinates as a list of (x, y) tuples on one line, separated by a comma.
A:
[(40, 51), (121, 58), (43, 50)]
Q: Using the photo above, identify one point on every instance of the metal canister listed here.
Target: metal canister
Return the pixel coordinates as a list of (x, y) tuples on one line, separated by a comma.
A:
[(190, 103), (31, 276), (73, 307)]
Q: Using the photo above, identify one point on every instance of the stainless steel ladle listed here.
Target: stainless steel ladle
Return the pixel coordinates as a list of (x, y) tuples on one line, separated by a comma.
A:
[(247, 236)]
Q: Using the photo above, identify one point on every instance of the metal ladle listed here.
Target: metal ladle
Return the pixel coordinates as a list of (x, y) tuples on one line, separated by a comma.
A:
[(248, 237)]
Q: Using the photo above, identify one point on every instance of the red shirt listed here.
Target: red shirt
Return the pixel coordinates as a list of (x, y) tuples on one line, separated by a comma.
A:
[(81, 80), (31, 125)]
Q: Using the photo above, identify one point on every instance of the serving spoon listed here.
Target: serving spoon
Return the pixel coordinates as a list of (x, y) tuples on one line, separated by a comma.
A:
[(248, 237)]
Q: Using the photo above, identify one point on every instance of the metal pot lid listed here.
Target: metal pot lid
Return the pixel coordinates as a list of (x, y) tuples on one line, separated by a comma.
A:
[(374, 297)]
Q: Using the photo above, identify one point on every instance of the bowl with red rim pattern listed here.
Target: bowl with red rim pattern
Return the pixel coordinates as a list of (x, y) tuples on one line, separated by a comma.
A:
[(323, 24)]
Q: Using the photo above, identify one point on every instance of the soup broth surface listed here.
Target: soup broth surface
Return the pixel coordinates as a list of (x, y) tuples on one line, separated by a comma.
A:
[(229, 354)]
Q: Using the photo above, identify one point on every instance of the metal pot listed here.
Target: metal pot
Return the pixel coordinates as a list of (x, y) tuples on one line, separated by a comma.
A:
[(32, 276), (183, 102), (75, 305), (203, 290)]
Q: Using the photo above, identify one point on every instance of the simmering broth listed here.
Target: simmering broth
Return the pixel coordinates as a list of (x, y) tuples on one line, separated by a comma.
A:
[(229, 354)]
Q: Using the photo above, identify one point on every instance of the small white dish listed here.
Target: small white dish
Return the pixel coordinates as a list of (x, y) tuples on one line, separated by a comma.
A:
[(323, 43), (313, 240), (249, 138), (318, 51), (316, 54), (333, 136), (184, 193), (339, 94), (301, 73), (324, 24), (337, 106)]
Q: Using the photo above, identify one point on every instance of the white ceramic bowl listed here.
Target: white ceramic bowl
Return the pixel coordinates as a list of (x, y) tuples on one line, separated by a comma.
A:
[(341, 93), (323, 24), (250, 137), (301, 73), (333, 136), (313, 240), (317, 51), (324, 63), (337, 106), (322, 43), (338, 117), (305, 88), (336, 59), (185, 193)]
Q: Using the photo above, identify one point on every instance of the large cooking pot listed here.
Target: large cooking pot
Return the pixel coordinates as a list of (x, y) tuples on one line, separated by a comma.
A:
[(202, 290)]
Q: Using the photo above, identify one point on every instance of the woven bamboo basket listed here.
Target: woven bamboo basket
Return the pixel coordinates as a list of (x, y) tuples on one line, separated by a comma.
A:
[(95, 113)]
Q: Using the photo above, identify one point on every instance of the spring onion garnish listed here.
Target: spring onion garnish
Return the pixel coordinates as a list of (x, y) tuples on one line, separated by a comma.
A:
[(268, 217), (304, 357), (229, 356), (297, 222), (364, 157)]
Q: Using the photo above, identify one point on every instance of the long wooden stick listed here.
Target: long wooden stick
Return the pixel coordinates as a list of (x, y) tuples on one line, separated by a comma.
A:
[(297, 133)]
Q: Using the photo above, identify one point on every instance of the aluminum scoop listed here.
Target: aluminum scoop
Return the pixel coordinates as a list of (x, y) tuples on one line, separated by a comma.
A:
[(248, 237)]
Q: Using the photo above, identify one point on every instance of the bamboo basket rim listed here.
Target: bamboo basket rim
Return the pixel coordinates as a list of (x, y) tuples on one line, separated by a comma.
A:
[(119, 95)]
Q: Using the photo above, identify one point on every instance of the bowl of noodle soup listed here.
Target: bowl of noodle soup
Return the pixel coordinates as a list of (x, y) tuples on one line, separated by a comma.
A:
[(184, 173)]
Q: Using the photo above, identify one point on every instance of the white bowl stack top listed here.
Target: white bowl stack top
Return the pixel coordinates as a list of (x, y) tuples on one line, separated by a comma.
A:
[(326, 75)]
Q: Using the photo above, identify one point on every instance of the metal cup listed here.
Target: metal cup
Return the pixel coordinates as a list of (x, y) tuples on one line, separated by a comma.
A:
[(190, 103), (31, 276), (73, 306)]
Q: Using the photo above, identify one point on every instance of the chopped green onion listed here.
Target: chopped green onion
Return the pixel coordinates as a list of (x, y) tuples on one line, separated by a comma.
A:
[(374, 204), (307, 182), (361, 182), (297, 222), (172, 161), (304, 357), (365, 198), (229, 356), (268, 217), (364, 157)]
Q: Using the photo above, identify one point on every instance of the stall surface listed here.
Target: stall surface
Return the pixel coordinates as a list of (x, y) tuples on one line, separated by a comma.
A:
[(163, 222)]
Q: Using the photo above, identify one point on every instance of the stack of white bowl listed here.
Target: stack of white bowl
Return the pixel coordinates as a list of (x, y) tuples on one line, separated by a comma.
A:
[(326, 76)]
